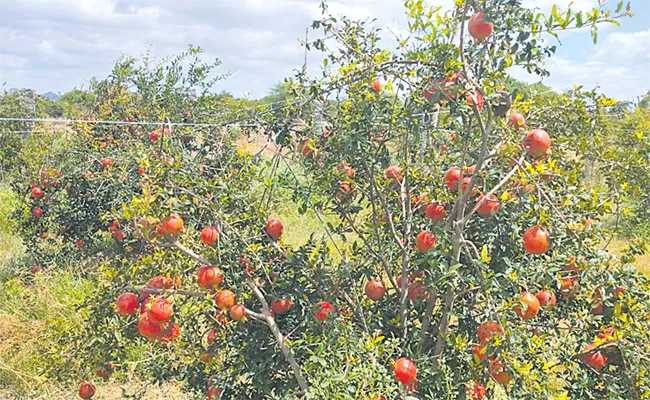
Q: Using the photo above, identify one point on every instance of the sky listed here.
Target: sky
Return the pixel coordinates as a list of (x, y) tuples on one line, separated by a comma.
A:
[(57, 45)]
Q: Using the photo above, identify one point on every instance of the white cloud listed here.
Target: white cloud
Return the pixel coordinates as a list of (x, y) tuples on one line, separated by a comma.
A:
[(59, 44)]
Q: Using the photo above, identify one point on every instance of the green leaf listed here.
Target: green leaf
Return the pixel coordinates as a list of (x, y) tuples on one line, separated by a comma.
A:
[(594, 33)]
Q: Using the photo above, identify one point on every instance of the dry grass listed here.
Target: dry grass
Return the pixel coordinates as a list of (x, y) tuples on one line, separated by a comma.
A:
[(618, 246), (108, 391)]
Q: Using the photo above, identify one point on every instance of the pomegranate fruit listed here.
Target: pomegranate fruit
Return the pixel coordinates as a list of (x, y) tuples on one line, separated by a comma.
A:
[(537, 142), (490, 205), (479, 28), (173, 224), (530, 306), (209, 235), (425, 241), (274, 228), (126, 303), (536, 240), (405, 371), (224, 299), (375, 289)]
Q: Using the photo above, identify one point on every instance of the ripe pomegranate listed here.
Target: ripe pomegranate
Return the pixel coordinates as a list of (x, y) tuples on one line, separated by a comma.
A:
[(307, 148), (209, 235), (497, 371), (238, 312), (405, 371), (36, 269), (546, 298), (160, 311), (394, 173), (86, 390), (153, 136), (173, 224), (126, 303), (161, 282), (322, 310), (37, 212), (489, 207), (536, 240), (375, 289), (37, 191), (107, 162), (214, 393), (120, 235), (475, 391), (479, 28), (169, 334), (147, 328), (452, 177), (281, 306), (274, 228), (516, 120), (224, 299), (487, 329), (209, 277), (538, 142), (425, 241), (595, 359), (435, 211), (531, 306), (376, 85)]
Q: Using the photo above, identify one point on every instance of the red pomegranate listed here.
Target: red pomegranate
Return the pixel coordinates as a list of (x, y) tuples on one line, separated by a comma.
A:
[(425, 241), (376, 85), (375, 289), (86, 390), (394, 173), (546, 298), (238, 312), (209, 277), (536, 240), (37, 191), (487, 329), (537, 142), (274, 228), (405, 371), (209, 235), (126, 303), (479, 28), (489, 207), (516, 120), (435, 211), (147, 328), (224, 299), (173, 224), (281, 306), (595, 359), (160, 311), (530, 304), (322, 310)]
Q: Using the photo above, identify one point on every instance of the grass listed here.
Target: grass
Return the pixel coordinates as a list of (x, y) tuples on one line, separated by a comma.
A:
[(618, 246)]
